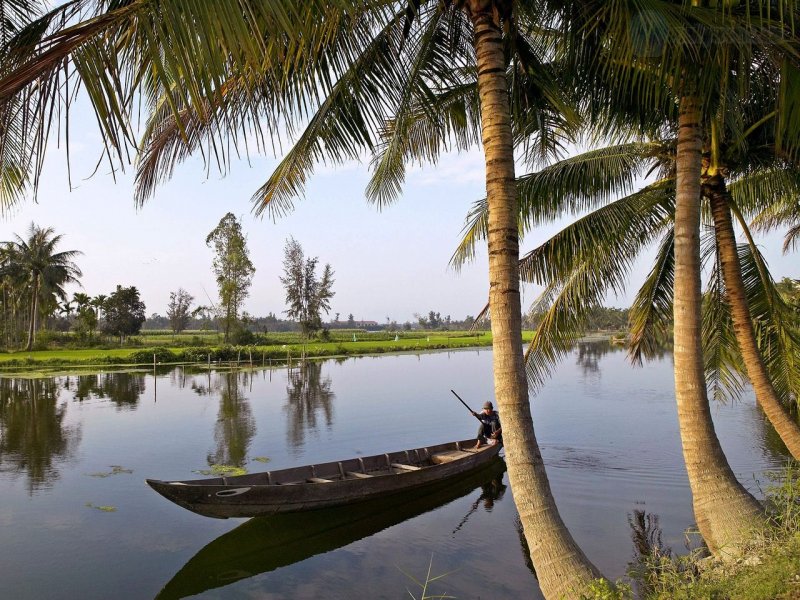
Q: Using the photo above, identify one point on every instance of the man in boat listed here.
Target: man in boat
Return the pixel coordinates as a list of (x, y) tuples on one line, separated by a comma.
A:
[(490, 430)]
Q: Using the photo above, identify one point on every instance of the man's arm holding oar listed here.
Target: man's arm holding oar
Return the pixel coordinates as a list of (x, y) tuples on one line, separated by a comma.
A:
[(474, 414)]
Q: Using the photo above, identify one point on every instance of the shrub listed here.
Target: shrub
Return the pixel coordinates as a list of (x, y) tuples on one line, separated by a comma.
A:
[(242, 337), (146, 356)]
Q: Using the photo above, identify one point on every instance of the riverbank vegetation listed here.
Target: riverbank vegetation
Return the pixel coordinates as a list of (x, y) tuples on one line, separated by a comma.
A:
[(194, 347), (769, 570)]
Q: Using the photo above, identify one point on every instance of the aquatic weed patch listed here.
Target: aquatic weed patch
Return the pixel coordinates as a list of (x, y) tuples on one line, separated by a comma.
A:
[(101, 508), (115, 470), (222, 471)]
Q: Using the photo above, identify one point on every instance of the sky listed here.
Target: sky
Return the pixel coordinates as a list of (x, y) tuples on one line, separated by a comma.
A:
[(388, 264)]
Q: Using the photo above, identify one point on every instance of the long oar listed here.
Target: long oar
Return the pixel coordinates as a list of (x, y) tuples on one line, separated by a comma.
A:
[(474, 414)]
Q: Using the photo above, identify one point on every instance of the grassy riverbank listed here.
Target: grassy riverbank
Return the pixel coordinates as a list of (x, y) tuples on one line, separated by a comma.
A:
[(281, 348), (770, 570)]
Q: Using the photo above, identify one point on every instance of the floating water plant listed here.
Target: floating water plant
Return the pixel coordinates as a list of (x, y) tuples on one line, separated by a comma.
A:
[(115, 470), (102, 508), (222, 470), (261, 459)]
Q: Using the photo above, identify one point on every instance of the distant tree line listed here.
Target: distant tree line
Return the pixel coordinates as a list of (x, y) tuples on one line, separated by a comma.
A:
[(34, 305)]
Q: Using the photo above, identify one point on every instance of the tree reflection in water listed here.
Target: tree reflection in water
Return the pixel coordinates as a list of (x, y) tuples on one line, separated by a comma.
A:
[(307, 395), (33, 437), (649, 551), (123, 389), (588, 355), (236, 426)]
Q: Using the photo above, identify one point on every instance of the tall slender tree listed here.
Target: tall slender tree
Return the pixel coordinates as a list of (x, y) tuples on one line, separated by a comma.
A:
[(307, 295), (232, 267)]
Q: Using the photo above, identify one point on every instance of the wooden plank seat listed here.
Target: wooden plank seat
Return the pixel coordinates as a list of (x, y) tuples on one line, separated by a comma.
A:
[(318, 480), (445, 457), (403, 467), (359, 475)]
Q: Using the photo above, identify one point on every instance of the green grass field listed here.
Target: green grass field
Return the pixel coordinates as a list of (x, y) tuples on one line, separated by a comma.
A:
[(282, 347)]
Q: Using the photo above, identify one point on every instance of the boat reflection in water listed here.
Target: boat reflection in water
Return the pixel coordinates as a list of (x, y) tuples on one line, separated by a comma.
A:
[(264, 544)]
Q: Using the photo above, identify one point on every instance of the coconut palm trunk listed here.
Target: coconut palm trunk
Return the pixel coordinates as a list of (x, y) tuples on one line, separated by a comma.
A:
[(34, 310), (725, 512), (717, 193), (561, 567)]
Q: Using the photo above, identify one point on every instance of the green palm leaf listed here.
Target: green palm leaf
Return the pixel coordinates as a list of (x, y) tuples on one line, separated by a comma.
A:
[(572, 185), (650, 315), (580, 265)]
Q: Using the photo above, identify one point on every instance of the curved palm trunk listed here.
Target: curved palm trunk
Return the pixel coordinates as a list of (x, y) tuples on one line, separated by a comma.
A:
[(766, 397), (725, 512), (561, 567), (34, 310)]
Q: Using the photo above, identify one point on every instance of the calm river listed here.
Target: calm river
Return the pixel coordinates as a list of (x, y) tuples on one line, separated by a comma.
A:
[(77, 520)]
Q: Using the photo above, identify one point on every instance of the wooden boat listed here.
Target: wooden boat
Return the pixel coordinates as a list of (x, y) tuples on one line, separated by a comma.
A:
[(325, 485), (262, 545)]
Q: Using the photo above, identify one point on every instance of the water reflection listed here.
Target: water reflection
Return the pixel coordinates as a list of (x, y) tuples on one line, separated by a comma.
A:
[(308, 397), (235, 426), (588, 354), (491, 490), (267, 543), (649, 551), (33, 437), (123, 388)]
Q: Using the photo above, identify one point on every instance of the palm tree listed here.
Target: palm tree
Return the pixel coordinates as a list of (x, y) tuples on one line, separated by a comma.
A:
[(46, 270), (698, 79), (777, 335), (580, 264), (404, 55), (98, 302), (80, 300)]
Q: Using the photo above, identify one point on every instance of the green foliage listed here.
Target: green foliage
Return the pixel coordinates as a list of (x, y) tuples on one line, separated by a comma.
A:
[(232, 268), (32, 276), (223, 470), (279, 347), (769, 571), (603, 589), (161, 354), (108, 509), (124, 312), (178, 309), (307, 295), (115, 470), (241, 336)]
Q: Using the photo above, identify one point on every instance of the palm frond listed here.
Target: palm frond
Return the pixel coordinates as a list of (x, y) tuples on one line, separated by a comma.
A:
[(343, 126), (776, 325), (584, 182), (569, 186), (770, 196), (120, 51), (580, 265), (650, 315), (724, 367), (473, 232), (419, 127)]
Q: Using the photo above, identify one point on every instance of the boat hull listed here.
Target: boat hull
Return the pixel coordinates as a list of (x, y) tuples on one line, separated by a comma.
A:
[(326, 485), (262, 545)]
